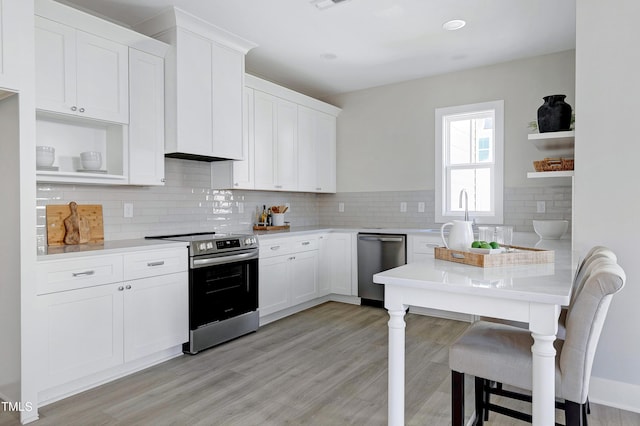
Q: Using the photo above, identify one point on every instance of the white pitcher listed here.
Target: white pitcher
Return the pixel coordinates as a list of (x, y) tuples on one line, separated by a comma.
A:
[(460, 235)]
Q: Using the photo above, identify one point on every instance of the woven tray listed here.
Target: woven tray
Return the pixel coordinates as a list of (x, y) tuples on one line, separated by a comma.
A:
[(553, 164), (521, 256)]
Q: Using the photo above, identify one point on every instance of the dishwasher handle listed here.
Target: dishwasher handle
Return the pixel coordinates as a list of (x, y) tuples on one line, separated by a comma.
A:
[(383, 239)]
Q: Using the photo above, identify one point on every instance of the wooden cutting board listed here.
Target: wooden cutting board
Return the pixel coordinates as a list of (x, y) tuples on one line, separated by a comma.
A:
[(91, 214)]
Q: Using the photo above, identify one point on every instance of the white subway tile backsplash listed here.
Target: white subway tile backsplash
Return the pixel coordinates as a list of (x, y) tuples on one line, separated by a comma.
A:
[(187, 203)]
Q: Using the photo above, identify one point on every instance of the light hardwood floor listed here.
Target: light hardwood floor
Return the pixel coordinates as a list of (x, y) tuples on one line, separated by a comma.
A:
[(324, 366)]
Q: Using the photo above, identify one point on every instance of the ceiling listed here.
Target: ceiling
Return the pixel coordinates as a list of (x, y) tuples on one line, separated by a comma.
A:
[(358, 44)]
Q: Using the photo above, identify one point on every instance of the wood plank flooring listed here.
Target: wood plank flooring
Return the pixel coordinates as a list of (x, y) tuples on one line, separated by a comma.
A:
[(323, 366)]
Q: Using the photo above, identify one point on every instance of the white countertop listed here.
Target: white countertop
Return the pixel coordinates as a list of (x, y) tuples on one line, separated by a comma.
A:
[(106, 247)]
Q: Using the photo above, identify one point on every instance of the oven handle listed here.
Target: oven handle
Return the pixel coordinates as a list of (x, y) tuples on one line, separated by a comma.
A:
[(200, 263)]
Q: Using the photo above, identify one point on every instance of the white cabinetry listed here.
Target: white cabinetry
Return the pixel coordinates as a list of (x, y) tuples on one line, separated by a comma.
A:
[(9, 49), (86, 102), (335, 273), (421, 247), (276, 135), (205, 79), (556, 143), (146, 127), (101, 312), (288, 271), (80, 74), (289, 139), (316, 151)]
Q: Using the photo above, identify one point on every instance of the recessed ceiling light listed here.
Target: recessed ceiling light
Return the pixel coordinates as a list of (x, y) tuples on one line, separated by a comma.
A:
[(454, 24)]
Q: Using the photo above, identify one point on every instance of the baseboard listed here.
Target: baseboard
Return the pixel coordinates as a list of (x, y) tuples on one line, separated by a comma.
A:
[(625, 396)]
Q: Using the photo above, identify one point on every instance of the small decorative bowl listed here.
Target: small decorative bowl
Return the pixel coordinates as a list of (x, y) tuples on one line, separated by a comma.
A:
[(45, 156), (550, 229), (91, 160)]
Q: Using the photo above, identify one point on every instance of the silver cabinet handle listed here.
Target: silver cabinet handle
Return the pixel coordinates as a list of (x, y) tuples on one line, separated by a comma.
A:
[(163, 180), (305, 243), (383, 239), (81, 110), (128, 286), (120, 288), (81, 274), (292, 258), (159, 263), (275, 247), (74, 108), (278, 186), (432, 245), (318, 189)]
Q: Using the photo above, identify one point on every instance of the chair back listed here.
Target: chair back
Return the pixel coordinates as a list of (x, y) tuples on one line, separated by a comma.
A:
[(596, 252), (585, 319)]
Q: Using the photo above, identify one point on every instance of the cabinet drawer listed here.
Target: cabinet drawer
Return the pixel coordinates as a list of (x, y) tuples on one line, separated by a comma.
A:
[(273, 248), (426, 245), (154, 263), (305, 244), (62, 275)]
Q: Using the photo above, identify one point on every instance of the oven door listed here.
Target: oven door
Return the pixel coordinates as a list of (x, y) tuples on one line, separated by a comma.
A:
[(222, 287)]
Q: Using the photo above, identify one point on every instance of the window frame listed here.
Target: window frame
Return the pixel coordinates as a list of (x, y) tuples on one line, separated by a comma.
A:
[(497, 167)]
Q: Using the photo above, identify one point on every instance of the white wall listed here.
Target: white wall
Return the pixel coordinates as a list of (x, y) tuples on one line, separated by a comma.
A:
[(607, 195), (386, 134)]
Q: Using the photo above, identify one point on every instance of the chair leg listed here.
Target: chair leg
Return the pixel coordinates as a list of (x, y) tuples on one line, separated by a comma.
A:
[(457, 398), (480, 396), (487, 398), (574, 413)]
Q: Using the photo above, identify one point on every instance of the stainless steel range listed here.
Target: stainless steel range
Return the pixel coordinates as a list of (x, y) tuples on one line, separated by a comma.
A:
[(223, 287)]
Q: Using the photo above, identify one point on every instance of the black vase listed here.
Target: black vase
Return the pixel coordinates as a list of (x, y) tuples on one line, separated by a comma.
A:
[(554, 115)]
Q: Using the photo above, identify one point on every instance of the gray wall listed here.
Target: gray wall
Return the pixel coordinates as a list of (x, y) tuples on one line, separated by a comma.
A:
[(386, 134), (607, 204)]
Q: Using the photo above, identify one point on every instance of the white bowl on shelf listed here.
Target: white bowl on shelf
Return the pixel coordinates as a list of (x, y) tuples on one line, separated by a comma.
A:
[(550, 229), (45, 156), (91, 160)]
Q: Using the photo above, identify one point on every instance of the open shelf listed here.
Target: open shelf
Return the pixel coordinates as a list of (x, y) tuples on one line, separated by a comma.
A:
[(564, 173), (561, 143)]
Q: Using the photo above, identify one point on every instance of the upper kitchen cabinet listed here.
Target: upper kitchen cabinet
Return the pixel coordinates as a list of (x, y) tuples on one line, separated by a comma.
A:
[(290, 140), (204, 86), (316, 151), (99, 87), (10, 19), (80, 74)]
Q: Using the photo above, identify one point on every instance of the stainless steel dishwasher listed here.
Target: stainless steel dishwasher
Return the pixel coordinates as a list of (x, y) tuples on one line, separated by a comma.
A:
[(377, 253)]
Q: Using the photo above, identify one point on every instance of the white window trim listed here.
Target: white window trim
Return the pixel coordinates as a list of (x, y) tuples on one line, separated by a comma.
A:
[(498, 181)]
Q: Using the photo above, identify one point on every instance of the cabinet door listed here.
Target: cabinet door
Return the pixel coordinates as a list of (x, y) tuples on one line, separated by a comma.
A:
[(102, 78), (82, 333), (156, 314), (146, 126), (325, 132), (194, 95), (274, 287), (55, 62), (307, 150), (264, 128), (335, 264), (243, 176), (287, 146), (228, 82), (304, 276)]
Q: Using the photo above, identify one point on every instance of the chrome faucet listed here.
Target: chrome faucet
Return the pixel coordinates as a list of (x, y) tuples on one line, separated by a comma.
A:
[(466, 204)]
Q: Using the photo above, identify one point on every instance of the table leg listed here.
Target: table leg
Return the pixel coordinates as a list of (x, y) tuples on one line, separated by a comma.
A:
[(543, 392), (396, 367)]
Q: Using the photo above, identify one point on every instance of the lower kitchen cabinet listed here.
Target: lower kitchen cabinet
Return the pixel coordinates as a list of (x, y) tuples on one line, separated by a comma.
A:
[(421, 247), (335, 264), (288, 273), (83, 333), (91, 327)]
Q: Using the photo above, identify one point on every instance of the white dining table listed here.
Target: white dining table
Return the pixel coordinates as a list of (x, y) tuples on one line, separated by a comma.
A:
[(533, 294)]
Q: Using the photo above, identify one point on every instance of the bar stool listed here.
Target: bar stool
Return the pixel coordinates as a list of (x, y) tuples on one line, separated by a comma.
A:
[(502, 353)]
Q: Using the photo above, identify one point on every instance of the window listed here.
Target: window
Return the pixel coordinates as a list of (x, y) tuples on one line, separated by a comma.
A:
[(469, 156)]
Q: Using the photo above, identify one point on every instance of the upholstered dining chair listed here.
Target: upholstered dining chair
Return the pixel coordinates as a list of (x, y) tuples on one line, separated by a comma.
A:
[(494, 352)]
